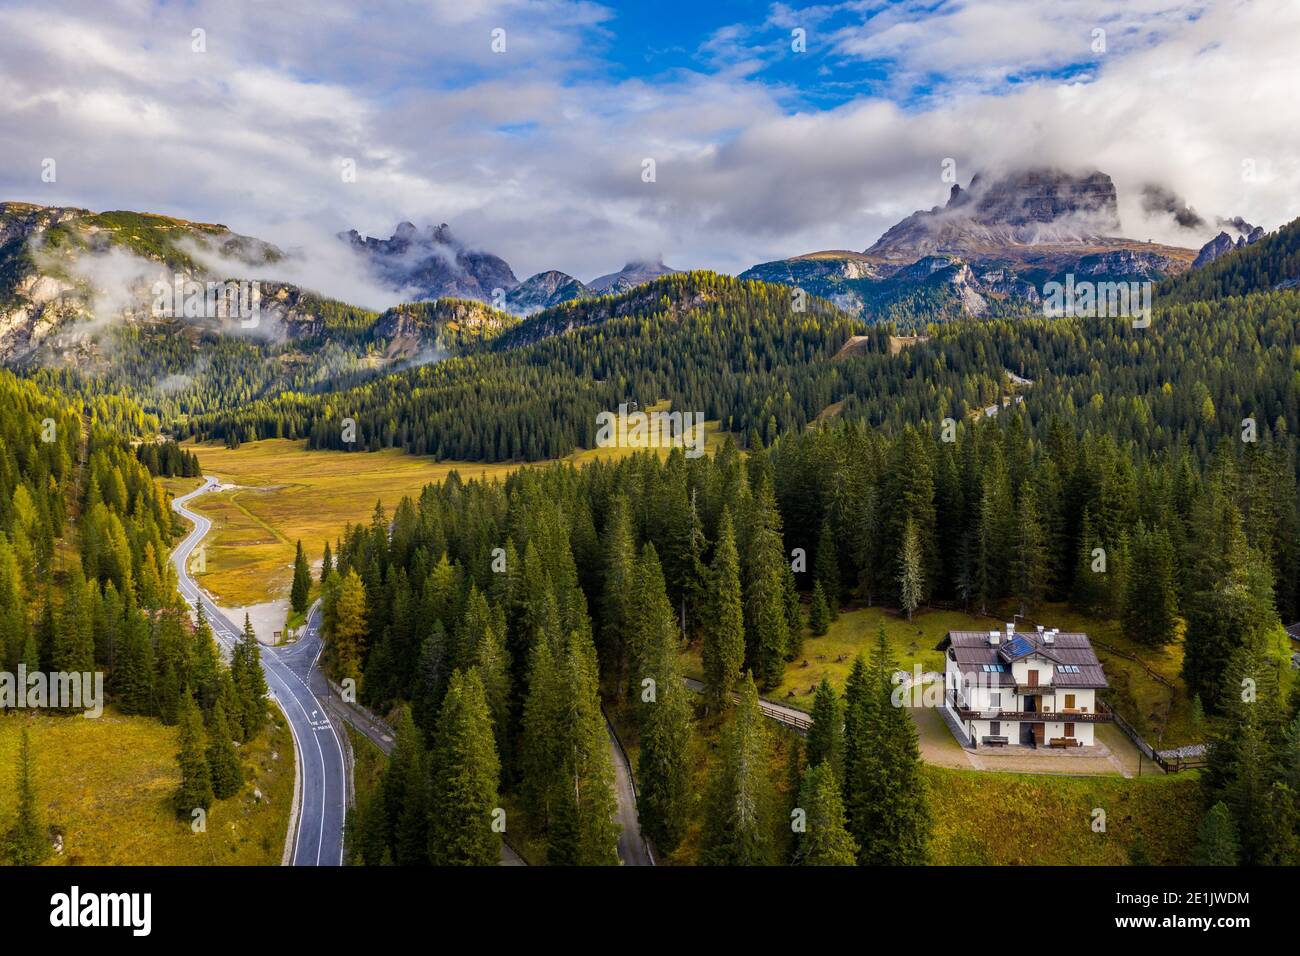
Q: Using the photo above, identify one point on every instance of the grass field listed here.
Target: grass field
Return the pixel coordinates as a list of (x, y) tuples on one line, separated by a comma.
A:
[(106, 784), (1010, 819), (287, 492)]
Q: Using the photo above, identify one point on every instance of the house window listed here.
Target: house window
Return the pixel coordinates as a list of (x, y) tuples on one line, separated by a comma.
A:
[(1069, 729), (995, 700), (995, 728), (1069, 702)]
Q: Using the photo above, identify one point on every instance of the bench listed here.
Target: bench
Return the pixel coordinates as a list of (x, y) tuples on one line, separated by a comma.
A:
[(1064, 742), (994, 741)]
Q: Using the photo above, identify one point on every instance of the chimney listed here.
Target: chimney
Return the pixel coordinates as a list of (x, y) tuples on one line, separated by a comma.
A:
[(994, 636), (1011, 629), (1050, 637)]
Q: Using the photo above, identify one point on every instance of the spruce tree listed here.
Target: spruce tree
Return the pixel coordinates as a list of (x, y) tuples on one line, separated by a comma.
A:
[(662, 764), (827, 568), (911, 572), (885, 783), (739, 812), (723, 651), (767, 625), (825, 840), (223, 760), (300, 593), (463, 791), (250, 681), (1216, 842), (28, 840), (819, 615), (195, 791), (826, 735)]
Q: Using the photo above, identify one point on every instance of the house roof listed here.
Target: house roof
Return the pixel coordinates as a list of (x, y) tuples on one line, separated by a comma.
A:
[(975, 655), (1293, 631)]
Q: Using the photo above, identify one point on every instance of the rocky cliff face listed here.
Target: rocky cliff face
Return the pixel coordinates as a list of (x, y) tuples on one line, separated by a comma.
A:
[(1223, 243), (433, 264)]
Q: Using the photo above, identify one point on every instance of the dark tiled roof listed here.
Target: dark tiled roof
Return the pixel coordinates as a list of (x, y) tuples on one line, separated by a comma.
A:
[(1293, 631), (973, 652)]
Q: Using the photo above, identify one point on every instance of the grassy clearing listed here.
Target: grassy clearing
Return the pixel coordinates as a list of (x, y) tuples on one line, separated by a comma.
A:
[(107, 785), (1162, 714), (287, 492), (1007, 819)]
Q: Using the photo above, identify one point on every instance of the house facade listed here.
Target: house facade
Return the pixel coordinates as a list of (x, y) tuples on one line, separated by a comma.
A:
[(1033, 688)]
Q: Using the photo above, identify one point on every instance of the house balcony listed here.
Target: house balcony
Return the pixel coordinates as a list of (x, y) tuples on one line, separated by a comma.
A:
[(1034, 690), (1074, 715)]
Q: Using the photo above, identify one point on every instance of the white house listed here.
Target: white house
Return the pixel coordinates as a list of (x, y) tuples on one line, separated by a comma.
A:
[(1033, 688)]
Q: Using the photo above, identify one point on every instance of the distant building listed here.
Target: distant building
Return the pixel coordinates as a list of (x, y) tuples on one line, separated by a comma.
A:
[(1033, 688)]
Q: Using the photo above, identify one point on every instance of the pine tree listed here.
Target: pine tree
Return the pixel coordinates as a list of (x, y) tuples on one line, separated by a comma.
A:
[(28, 841), (463, 792), (723, 651), (300, 593), (738, 817), (195, 791), (1216, 843), (223, 761), (825, 841), (911, 574), (819, 615)]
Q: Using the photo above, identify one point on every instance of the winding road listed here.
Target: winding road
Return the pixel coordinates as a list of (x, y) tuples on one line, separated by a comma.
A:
[(298, 686)]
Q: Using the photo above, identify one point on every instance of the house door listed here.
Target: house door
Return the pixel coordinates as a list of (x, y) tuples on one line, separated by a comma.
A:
[(1038, 735), (1027, 734)]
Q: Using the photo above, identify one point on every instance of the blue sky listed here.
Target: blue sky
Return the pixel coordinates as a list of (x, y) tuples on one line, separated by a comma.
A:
[(536, 153)]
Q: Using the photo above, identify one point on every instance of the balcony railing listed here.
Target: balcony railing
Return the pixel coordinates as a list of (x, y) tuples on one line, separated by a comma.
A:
[(1073, 716)]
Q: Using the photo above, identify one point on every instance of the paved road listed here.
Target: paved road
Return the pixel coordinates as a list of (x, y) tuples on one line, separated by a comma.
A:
[(632, 848), (295, 683)]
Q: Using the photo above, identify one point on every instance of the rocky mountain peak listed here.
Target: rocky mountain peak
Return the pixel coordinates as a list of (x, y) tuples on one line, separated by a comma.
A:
[(1033, 206)]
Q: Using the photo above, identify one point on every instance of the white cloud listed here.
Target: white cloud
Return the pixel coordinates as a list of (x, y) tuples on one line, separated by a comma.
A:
[(536, 154)]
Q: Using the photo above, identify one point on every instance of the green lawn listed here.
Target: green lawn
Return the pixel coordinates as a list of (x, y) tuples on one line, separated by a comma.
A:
[(107, 785)]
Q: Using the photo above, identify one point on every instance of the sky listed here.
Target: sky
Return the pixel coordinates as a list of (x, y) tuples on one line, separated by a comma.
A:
[(527, 125)]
